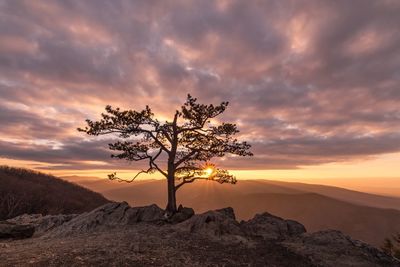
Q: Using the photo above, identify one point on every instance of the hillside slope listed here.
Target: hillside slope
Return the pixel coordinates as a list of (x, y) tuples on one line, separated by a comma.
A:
[(24, 191)]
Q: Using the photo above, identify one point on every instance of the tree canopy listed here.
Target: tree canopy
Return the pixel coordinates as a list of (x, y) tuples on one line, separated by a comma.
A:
[(188, 142)]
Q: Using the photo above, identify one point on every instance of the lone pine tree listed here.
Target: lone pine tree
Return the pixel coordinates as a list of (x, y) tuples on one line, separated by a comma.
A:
[(189, 142)]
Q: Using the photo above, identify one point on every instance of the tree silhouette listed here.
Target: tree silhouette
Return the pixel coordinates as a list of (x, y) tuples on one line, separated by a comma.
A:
[(189, 142)]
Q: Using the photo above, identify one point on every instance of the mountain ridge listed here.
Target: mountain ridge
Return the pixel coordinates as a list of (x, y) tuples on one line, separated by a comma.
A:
[(316, 208)]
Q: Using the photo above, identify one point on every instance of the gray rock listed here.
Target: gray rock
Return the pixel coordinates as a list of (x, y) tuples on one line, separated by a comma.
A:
[(295, 228), (269, 226), (151, 213), (332, 248), (15, 231), (183, 214), (214, 224), (106, 215)]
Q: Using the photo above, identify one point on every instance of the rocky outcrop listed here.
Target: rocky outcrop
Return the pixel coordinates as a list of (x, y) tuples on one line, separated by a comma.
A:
[(326, 248), (108, 215), (42, 224), (222, 224), (271, 239), (269, 226), (15, 231), (111, 214), (332, 248)]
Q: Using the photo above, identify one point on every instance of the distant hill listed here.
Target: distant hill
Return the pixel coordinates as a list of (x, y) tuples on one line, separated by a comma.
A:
[(364, 216), (25, 191), (352, 196), (243, 186)]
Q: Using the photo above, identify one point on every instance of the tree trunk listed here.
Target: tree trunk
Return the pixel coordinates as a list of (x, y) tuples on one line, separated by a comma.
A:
[(171, 206)]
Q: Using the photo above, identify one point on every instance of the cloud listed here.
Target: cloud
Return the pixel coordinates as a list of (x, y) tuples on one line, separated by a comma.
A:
[(309, 82)]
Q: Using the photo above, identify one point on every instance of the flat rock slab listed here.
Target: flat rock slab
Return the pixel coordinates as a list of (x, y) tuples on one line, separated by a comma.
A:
[(42, 224), (15, 231)]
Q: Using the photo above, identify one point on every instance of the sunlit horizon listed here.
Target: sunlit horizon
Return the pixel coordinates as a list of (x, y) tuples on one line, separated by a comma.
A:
[(318, 100)]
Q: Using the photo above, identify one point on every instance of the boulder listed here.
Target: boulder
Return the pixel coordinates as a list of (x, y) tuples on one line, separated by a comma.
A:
[(214, 224), (181, 215), (151, 213), (332, 248), (268, 226), (15, 231)]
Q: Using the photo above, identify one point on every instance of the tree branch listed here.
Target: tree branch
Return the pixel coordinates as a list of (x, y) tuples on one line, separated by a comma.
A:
[(185, 158), (114, 177), (153, 163), (191, 180), (158, 141)]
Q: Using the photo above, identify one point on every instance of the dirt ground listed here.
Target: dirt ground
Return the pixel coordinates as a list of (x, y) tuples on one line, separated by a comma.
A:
[(143, 245)]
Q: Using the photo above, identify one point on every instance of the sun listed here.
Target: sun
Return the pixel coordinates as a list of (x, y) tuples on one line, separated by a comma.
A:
[(209, 171)]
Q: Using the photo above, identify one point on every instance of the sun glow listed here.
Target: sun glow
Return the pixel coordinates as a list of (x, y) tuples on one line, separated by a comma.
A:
[(208, 171)]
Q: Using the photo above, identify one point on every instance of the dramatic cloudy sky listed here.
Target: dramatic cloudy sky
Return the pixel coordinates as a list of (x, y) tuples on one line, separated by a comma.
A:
[(310, 82)]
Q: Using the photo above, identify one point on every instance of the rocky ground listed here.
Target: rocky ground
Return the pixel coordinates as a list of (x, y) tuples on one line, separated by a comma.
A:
[(118, 235)]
